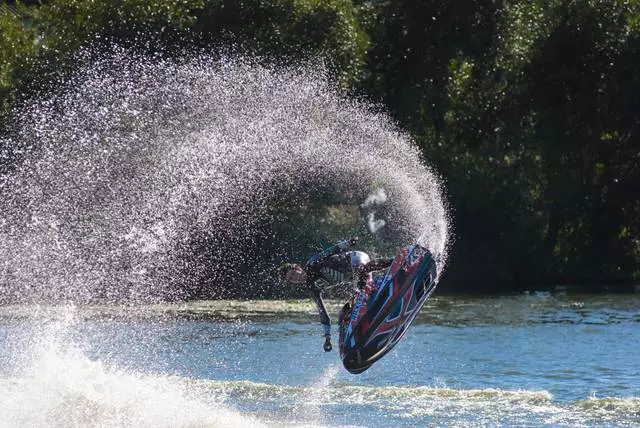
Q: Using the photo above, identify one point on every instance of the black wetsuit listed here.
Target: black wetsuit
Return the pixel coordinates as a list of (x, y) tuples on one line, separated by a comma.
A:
[(335, 268)]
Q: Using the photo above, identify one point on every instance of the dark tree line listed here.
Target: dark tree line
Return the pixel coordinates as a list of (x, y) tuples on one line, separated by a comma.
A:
[(528, 109)]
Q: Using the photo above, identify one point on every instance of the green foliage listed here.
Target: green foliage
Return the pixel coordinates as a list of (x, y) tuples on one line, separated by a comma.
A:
[(289, 32), (412, 44), (279, 31), (69, 24), (526, 108), (17, 41), (64, 27), (529, 109)]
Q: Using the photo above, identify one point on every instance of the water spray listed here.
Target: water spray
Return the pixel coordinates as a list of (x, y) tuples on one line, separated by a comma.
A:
[(148, 179)]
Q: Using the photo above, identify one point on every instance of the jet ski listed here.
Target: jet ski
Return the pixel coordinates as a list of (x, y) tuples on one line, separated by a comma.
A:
[(378, 316)]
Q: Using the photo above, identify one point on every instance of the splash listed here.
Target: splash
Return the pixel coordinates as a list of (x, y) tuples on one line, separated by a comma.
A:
[(58, 385), (307, 410), (147, 179), (379, 197)]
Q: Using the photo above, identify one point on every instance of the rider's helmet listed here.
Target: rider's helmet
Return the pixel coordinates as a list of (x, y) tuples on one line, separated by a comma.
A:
[(292, 273), (283, 269)]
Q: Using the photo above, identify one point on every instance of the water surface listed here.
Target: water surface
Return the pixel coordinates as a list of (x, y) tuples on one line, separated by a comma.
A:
[(526, 360)]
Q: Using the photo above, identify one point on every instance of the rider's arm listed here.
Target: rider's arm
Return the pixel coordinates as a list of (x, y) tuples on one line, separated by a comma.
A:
[(313, 268), (362, 271), (327, 253), (377, 264), (322, 310)]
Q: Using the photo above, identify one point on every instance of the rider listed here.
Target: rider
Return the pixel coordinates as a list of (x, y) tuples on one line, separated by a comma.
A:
[(332, 266)]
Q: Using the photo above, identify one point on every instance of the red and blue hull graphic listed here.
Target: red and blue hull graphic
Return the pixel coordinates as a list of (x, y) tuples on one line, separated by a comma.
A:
[(385, 309)]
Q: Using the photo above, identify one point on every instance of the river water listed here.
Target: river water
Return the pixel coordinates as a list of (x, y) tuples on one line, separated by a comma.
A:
[(528, 360)]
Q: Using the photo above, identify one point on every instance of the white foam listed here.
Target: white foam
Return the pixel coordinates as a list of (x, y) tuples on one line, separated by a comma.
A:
[(59, 386)]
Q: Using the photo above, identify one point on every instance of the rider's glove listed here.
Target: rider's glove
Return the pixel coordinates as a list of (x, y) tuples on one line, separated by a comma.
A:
[(327, 343)]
